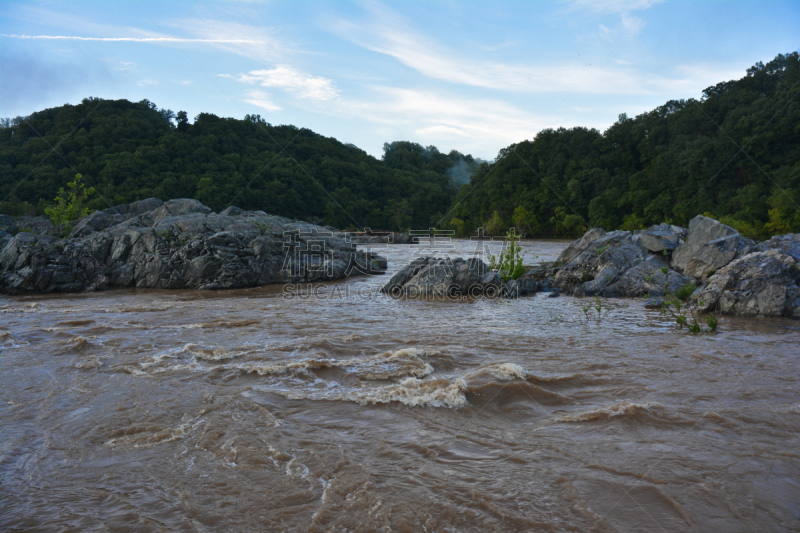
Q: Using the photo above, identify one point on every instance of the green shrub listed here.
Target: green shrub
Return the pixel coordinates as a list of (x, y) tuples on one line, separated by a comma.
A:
[(685, 292), (70, 205), (509, 263)]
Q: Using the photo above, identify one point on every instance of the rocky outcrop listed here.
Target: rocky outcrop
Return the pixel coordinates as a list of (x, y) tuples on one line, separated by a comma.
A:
[(178, 244), (709, 246), (762, 283), (732, 274), (618, 263), (661, 238), (445, 277)]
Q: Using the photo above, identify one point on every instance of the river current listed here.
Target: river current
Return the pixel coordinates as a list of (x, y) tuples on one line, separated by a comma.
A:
[(335, 408)]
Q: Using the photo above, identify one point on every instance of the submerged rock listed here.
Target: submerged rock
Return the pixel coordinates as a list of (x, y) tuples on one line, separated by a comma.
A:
[(178, 244), (442, 277), (446, 277)]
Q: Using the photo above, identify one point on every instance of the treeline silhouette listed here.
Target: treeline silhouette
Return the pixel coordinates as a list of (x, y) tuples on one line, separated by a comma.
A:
[(128, 151), (734, 154)]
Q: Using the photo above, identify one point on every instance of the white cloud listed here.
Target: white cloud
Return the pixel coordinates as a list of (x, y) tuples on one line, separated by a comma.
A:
[(612, 6), (143, 83), (262, 100), (291, 80), (443, 118), (240, 39), (428, 57)]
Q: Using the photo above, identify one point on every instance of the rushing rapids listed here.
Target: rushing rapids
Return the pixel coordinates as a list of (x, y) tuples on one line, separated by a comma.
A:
[(336, 408)]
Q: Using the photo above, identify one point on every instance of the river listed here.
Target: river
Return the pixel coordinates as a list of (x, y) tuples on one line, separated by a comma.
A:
[(337, 408)]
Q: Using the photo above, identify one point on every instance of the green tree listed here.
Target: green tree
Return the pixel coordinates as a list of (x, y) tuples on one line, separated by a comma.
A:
[(70, 205)]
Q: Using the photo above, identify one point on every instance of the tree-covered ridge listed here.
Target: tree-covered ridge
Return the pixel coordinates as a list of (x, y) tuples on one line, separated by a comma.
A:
[(734, 155), (130, 151)]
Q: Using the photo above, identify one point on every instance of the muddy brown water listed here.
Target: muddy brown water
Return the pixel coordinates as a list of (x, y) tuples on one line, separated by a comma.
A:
[(338, 409)]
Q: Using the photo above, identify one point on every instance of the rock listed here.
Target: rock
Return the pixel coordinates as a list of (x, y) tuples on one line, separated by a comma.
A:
[(181, 206), (527, 284), (511, 289), (38, 225), (4, 238), (588, 243), (231, 211), (32, 264), (648, 277), (180, 244), (715, 254), (698, 246), (554, 294), (757, 284), (654, 304), (789, 244), (492, 279), (134, 209), (8, 224), (661, 237), (446, 277), (600, 264)]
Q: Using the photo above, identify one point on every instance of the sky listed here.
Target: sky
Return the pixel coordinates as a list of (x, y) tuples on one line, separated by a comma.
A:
[(471, 76)]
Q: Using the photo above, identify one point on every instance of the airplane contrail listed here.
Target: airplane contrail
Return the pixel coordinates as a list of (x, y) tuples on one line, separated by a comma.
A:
[(128, 39)]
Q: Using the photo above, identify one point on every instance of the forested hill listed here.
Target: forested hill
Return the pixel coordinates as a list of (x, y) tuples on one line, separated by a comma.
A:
[(129, 151), (733, 154)]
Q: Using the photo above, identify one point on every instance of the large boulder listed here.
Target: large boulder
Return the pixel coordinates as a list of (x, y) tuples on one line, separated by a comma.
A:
[(31, 263), (598, 263), (661, 238), (444, 277), (709, 246), (651, 277), (757, 284), (179, 244)]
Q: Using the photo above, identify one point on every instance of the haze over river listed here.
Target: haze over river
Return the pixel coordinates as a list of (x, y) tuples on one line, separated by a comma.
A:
[(347, 410)]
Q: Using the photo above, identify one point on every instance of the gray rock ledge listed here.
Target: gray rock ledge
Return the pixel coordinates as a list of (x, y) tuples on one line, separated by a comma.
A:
[(175, 245)]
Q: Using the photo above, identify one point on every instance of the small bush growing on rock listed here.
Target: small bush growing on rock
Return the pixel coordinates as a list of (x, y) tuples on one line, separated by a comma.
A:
[(685, 292), (70, 205), (509, 262)]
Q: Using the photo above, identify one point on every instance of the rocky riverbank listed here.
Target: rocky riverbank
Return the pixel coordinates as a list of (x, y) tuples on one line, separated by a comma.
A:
[(724, 271), (173, 245)]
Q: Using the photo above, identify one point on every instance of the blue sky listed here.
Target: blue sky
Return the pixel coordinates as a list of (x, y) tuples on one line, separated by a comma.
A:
[(472, 76)]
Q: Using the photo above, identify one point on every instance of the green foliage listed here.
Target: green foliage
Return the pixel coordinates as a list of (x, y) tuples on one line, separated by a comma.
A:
[(674, 305), (658, 166), (685, 292), (509, 263), (525, 221), (130, 151), (597, 305), (70, 205)]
